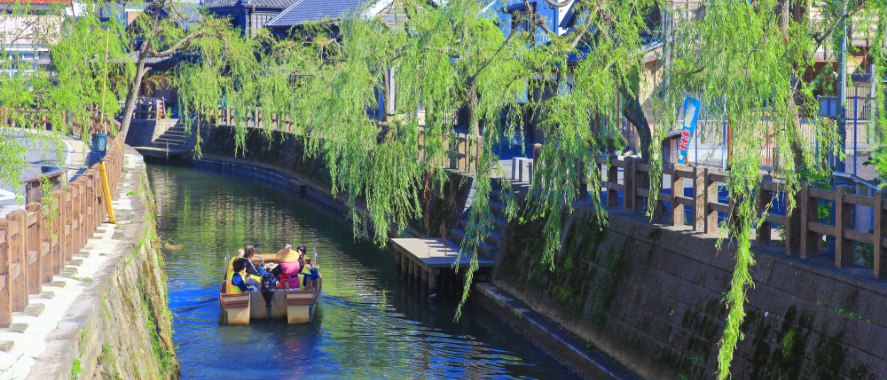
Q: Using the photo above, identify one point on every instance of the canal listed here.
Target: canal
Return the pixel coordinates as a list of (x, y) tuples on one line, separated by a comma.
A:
[(369, 324)]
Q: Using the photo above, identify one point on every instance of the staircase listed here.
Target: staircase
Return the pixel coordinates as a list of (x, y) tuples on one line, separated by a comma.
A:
[(174, 138), (172, 142), (489, 247)]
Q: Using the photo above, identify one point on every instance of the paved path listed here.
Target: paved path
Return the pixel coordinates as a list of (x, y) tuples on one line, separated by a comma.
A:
[(46, 311)]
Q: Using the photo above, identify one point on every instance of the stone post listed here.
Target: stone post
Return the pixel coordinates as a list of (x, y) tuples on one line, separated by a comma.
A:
[(843, 215)]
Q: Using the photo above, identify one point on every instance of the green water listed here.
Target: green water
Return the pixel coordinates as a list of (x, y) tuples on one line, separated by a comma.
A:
[(370, 324)]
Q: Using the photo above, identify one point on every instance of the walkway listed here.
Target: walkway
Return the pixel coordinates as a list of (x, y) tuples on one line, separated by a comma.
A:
[(37, 329)]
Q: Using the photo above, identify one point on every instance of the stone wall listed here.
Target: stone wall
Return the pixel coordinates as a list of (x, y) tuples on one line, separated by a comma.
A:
[(120, 325), (144, 132), (650, 296)]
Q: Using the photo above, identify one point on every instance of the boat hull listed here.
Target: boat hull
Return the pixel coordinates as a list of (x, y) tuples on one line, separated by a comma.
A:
[(296, 306)]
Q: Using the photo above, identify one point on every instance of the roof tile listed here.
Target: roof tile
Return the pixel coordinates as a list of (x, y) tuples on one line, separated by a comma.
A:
[(305, 11)]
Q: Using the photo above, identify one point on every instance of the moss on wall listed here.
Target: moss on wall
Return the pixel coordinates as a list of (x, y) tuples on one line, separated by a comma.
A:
[(670, 320)]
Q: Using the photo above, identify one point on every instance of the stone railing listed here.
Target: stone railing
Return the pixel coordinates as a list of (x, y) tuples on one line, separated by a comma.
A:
[(37, 242)]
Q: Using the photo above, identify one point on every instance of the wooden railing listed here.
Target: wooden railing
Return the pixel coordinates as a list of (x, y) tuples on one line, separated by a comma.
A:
[(35, 247), (804, 229), (463, 150)]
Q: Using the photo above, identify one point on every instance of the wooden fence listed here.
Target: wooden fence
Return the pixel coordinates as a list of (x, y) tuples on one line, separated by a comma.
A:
[(34, 246), (804, 228), (463, 149)]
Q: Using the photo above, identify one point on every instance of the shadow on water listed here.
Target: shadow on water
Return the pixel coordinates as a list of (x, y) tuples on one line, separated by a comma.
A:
[(370, 323)]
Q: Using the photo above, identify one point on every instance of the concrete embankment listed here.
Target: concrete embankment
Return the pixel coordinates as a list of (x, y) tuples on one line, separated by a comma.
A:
[(109, 318), (651, 297)]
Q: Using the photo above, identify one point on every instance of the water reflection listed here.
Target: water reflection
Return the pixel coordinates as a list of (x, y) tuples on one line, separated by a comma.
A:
[(369, 325)]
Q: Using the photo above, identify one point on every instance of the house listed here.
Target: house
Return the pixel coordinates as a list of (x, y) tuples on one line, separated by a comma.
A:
[(19, 22), (304, 12), (249, 16)]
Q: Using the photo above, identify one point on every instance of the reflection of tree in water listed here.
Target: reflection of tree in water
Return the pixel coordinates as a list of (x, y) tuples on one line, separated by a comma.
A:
[(359, 329)]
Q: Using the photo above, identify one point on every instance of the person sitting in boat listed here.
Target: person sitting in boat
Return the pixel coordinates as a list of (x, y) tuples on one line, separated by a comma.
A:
[(251, 268), (230, 272), (309, 274), (242, 281), (289, 266)]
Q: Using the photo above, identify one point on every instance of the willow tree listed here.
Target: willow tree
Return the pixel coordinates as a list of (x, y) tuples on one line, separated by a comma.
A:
[(744, 61)]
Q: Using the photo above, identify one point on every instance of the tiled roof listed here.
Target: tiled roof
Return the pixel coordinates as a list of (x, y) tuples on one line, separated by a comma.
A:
[(250, 3), (189, 13), (38, 2), (305, 11)]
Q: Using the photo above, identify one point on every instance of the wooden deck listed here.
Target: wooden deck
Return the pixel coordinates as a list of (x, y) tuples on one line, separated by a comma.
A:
[(425, 259), (435, 253)]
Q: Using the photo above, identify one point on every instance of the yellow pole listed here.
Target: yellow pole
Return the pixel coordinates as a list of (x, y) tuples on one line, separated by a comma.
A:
[(107, 191)]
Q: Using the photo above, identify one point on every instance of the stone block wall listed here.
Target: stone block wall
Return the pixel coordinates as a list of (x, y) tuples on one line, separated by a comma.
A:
[(144, 132), (651, 297)]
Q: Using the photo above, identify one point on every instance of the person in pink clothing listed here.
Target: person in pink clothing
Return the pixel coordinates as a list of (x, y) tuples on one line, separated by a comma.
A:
[(289, 266)]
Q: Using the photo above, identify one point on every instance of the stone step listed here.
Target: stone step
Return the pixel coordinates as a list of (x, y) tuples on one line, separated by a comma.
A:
[(495, 237), (15, 328), (74, 262), (32, 310), (484, 249), (67, 273), (46, 295), (57, 284), (498, 208), (6, 345)]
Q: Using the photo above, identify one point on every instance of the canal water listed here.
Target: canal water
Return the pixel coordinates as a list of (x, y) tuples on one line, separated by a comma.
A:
[(369, 324)]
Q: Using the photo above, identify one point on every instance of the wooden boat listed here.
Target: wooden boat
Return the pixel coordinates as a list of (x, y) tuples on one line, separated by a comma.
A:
[(297, 306)]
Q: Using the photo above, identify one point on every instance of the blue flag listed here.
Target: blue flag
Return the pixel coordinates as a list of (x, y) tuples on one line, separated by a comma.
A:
[(691, 114)]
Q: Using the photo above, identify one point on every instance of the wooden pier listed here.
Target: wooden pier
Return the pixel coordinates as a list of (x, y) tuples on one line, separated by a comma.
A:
[(426, 259)]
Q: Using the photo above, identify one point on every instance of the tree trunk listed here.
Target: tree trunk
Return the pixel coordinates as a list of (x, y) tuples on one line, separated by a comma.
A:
[(134, 92), (634, 112)]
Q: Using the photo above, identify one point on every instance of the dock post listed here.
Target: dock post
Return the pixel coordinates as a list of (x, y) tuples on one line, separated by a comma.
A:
[(412, 272), (432, 280), (397, 268), (425, 275), (405, 266)]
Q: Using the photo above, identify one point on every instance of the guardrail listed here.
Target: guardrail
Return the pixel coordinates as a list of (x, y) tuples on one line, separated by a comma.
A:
[(37, 242), (463, 149), (804, 228)]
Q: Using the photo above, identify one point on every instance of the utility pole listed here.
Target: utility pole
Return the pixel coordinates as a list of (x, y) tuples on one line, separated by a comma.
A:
[(840, 165)]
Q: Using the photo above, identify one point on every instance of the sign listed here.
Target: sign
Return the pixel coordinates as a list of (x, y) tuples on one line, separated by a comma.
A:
[(691, 114)]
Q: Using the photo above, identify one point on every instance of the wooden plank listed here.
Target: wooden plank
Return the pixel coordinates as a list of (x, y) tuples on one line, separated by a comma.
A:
[(686, 201), (843, 215), (643, 192), (822, 194), (775, 218), (820, 228), (717, 176), (643, 167), (17, 260), (617, 187), (860, 200), (859, 237), (719, 207), (684, 173)]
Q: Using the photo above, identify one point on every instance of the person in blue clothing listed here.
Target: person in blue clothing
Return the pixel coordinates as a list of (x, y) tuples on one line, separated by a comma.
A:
[(241, 279)]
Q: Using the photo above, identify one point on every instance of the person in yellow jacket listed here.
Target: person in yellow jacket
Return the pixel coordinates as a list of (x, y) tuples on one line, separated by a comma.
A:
[(242, 281), (230, 272)]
